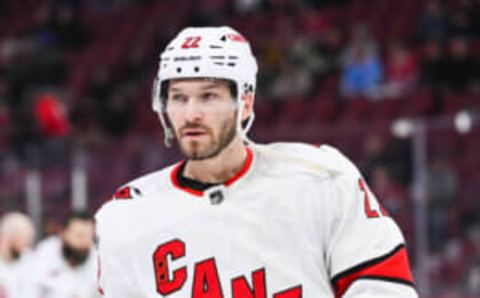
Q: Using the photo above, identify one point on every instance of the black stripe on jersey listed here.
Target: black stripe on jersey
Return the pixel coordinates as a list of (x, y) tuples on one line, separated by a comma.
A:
[(190, 183), (388, 279), (369, 264)]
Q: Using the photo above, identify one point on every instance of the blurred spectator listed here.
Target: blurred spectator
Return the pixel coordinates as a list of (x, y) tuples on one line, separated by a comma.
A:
[(329, 49), (304, 55), (473, 279), (433, 22), (102, 84), (362, 71), (442, 189), (293, 81), (67, 28), (53, 129), (395, 157), (314, 23), (16, 238), (461, 66), (472, 274), (400, 72), (433, 68), (30, 63), (51, 115), (67, 264), (390, 194), (375, 153), (452, 268), (290, 61), (460, 25), (472, 9), (273, 55), (115, 112), (111, 107), (248, 6)]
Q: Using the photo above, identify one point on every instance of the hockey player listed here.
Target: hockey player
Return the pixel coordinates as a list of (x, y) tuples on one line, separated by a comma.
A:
[(67, 264), (16, 238), (238, 219)]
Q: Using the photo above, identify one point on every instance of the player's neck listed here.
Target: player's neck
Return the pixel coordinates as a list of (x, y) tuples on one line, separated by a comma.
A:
[(219, 168)]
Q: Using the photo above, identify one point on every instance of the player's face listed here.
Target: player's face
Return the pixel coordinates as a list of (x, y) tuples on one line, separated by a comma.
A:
[(203, 115), (79, 234), (21, 241)]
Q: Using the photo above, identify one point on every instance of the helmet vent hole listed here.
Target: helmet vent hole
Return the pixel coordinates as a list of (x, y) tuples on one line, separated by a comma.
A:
[(231, 64), (179, 69), (196, 69)]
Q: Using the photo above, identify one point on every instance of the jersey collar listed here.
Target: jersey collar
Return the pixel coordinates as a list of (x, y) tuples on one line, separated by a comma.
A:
[(246, 166)]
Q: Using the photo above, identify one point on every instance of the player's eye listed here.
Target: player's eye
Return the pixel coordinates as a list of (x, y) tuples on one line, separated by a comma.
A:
[(178, 98), (207, 96)]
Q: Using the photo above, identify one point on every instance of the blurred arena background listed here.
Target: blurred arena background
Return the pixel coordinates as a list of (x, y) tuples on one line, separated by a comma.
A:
[(394, 84)]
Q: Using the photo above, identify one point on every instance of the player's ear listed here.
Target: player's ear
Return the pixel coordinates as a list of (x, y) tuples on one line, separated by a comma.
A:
[(248, 100)]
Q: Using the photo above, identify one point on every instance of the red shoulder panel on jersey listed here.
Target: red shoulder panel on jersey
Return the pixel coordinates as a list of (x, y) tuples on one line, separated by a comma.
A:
[(126, 193), (123, 193), (393, 267)]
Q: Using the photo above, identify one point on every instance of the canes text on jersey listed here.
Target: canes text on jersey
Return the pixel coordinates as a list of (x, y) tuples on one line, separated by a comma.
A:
[(206, 282)]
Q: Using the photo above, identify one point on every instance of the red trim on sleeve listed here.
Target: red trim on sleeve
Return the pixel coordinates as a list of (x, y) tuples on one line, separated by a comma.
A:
[(392, 267)]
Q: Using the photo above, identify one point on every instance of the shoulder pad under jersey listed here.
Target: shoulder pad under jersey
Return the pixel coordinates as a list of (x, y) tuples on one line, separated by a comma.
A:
[(320, 158)]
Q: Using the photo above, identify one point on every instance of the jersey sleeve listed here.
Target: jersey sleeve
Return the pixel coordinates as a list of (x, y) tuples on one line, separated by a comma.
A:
[(366, 253), (112, 281), (365, 288)]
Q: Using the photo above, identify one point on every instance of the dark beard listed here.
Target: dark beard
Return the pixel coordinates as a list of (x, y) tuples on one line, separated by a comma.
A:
[(227, 135), (15, 254), (74, 257)]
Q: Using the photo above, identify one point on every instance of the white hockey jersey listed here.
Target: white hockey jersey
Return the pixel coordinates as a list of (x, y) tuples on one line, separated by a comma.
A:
[(296, 221), (54, 278), (15, 277)]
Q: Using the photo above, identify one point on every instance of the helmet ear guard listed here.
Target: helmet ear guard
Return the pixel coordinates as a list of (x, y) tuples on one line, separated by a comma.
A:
[(210, 52), (160, 108)]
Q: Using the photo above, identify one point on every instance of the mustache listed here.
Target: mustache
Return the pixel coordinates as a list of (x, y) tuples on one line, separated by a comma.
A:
[(193, 126)]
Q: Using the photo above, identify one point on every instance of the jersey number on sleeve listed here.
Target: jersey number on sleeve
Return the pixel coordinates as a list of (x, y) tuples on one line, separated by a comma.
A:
[(369, 212)]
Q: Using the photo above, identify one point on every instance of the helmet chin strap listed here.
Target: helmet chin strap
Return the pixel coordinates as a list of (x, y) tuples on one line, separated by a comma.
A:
[(167, 131), (247, 128), (240, 130)]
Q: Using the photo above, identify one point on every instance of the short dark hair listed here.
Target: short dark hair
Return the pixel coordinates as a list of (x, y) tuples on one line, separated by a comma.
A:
[(77, 215)]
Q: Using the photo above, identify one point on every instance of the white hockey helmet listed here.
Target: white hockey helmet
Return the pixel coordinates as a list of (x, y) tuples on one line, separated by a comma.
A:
[(207, 52)]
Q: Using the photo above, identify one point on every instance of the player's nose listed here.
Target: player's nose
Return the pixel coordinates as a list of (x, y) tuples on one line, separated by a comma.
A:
[(193, 111)]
